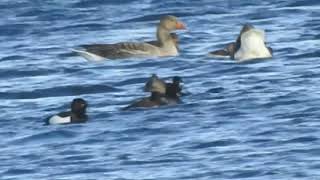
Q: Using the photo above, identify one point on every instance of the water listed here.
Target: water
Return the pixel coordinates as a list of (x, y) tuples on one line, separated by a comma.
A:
[(256, 120)]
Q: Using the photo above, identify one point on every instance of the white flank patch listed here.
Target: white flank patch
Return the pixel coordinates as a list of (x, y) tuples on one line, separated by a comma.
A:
[(59, 120)]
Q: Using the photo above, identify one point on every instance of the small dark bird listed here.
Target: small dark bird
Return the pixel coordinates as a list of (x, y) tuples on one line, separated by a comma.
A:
[(173, 90), (161, 93), (76, 115)]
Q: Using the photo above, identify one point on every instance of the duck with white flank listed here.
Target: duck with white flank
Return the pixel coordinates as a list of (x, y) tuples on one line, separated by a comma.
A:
[(76, 115), (250, 44), (165, 45)]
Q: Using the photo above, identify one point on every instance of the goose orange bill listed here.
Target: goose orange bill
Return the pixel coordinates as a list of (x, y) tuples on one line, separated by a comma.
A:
[(180, 25)]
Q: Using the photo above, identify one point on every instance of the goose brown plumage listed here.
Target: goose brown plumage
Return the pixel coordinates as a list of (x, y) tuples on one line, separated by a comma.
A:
[(165, 45)]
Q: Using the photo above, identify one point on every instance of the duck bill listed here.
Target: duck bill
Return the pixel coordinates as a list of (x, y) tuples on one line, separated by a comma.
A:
[(180, 25)]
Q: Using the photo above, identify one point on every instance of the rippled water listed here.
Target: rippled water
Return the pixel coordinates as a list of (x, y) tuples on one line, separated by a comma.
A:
[(257, 120)]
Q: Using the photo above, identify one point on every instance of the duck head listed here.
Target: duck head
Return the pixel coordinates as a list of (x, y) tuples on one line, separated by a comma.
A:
[(79, 106)]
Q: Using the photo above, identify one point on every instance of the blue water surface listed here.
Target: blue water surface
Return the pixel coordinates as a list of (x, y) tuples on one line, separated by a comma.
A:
[(257, 120)]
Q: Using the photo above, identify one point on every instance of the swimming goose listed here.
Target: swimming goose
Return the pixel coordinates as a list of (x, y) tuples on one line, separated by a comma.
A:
[(250, 44), (164, 46)]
